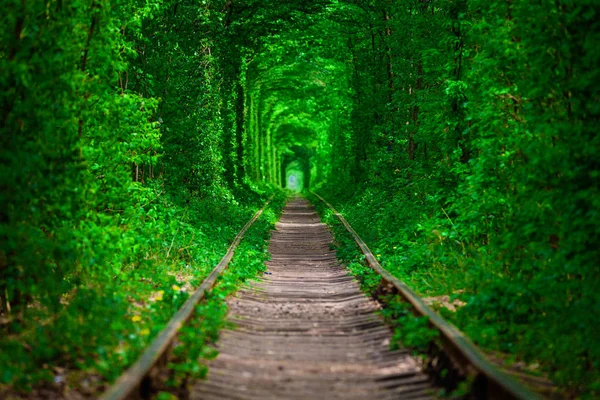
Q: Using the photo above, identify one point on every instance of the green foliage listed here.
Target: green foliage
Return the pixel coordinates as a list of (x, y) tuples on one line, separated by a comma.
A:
[(115, 202), (409, 330), (473, 170), (458, 137)]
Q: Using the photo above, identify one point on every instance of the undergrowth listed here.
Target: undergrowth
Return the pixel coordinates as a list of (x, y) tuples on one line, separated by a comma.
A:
[(101, 326), (505, 314)]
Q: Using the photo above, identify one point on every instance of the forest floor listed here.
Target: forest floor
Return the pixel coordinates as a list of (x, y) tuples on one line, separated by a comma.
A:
[(306, 330)]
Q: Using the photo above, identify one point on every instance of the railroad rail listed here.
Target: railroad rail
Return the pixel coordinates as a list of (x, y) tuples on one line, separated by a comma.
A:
[(136, 382), (488, 381), (306, 331), (307, 327)]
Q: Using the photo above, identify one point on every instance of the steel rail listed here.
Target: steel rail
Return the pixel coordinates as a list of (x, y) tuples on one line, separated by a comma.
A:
[(493, 383), (131, 380)]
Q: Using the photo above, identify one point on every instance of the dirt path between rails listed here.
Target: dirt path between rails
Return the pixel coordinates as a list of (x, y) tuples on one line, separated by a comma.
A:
[(306, 331)]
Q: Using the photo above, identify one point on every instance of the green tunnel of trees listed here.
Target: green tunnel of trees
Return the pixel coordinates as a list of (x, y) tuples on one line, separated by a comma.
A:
[(458, 136)]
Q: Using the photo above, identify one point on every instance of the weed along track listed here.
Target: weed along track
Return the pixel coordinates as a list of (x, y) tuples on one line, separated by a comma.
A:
[(306, 330)]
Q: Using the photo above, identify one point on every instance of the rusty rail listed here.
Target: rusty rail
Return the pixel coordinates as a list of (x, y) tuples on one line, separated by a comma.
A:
[(490, 381), (131, 382)]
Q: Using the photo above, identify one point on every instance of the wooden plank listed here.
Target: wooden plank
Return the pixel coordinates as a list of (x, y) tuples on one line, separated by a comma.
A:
[(131, 379), (500, 385), (310, 336)]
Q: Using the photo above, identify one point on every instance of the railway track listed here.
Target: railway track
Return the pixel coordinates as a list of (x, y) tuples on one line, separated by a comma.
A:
[(306, 331)]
